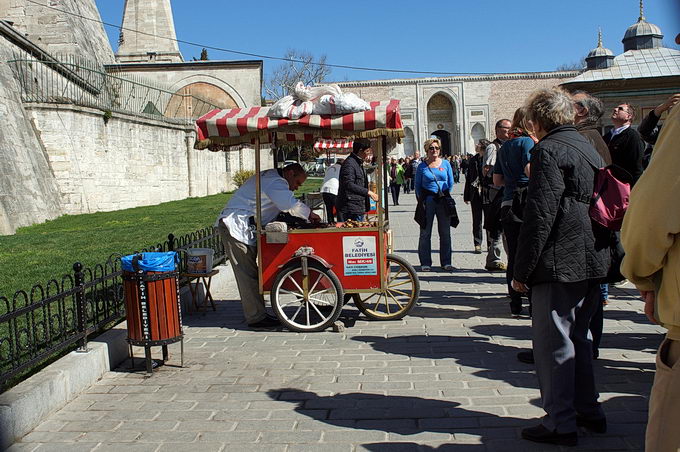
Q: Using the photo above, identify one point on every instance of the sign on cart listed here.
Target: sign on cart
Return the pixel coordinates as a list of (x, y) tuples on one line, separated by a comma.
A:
[(359, 255)]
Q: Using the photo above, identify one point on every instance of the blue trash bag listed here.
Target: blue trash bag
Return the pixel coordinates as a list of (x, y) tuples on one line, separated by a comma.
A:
[(152, 262)]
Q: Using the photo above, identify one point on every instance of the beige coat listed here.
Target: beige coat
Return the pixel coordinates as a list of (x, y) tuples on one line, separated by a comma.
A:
[(651, 228)]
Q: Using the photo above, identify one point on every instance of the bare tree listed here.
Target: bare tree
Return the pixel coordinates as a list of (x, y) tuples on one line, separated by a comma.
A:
[(575, 66), (301, 67)]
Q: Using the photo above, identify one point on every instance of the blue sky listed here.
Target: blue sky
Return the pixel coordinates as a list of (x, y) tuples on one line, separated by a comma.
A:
[(483, 36)]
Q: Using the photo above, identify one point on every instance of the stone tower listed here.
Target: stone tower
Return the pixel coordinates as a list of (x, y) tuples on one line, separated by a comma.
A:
[(156, 43)]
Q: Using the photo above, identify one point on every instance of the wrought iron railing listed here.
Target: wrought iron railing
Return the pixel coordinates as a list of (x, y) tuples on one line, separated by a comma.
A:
[(69, 79), (40, 324)]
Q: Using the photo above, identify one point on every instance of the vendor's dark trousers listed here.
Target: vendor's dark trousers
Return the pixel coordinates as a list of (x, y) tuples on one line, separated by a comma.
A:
[(329, 201), (563, 352), (477, 215), (395, 189), (511, 229)]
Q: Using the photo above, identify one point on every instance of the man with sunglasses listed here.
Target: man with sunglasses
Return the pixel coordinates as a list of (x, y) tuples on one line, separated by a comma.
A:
[(626, 146)]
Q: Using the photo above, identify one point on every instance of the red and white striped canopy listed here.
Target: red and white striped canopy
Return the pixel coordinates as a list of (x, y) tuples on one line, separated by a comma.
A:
[(329, 143), (222, 128)]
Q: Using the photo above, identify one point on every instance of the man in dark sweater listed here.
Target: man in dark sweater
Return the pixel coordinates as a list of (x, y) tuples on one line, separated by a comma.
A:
[(626, 146), (352, 202)]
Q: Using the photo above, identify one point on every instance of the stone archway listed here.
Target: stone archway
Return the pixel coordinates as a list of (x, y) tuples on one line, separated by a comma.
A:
[(409, 142), (441, 122), (197, 99), (477, 133)]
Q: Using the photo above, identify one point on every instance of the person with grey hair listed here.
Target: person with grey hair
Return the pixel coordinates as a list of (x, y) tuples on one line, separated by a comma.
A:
[(587, 112), (559, 257)]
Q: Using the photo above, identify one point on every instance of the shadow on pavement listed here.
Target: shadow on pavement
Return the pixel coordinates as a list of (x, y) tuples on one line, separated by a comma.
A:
[(496, 362), (394, 414)]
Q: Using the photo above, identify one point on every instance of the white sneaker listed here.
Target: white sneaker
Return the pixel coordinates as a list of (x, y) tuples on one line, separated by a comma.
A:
[(425, 268)]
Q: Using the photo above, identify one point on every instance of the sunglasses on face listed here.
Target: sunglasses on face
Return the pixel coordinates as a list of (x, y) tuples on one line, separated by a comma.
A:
[(433, 148), (620, 109)]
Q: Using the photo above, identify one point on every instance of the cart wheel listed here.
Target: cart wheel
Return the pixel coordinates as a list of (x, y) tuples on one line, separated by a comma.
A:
[(401, 294), (310, 303)]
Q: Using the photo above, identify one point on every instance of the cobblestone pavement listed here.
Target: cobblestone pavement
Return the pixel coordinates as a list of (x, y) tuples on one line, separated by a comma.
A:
[(445, 377)]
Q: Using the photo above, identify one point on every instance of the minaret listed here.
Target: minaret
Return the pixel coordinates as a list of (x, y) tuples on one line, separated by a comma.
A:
[(156, 43)]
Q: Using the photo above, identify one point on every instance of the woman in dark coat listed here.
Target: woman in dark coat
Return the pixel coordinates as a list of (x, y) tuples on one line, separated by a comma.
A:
[(562, 260)]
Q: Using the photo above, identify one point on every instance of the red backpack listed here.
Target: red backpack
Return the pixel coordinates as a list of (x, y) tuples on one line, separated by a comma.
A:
[(611, 196), (611, 193)]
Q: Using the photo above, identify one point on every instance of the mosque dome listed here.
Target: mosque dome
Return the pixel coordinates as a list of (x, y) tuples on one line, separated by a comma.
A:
[(642, 28), (600, 52), (642, 34), (600, 57)]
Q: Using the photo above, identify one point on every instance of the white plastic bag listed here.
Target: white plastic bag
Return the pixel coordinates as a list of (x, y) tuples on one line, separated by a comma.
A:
[(340, 104)]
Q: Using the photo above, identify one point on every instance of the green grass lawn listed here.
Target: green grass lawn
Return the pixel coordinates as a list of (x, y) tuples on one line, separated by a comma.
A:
[(38, 253)]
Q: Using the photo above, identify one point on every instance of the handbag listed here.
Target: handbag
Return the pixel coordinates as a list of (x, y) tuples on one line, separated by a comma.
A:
[(449, 202)]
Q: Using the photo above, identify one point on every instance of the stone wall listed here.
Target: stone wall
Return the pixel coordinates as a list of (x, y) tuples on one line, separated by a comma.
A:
[(508, 95), (126, 161), (58, 32), (28, 191)]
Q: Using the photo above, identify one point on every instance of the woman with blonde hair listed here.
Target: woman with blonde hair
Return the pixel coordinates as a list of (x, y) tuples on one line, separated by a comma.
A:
[(434, 178)]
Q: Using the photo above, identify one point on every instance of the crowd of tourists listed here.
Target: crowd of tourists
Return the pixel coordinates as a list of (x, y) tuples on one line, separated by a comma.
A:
[(537, 190), (543, 189)]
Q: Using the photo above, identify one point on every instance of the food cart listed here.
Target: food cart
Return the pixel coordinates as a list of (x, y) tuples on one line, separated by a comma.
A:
[(311, 271)]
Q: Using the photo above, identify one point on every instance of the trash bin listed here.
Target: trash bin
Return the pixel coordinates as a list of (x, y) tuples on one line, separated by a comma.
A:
[(152, 305)]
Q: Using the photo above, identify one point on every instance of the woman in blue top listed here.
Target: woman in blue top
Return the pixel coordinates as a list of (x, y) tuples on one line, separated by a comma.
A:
[(512, 171), (434, 175)]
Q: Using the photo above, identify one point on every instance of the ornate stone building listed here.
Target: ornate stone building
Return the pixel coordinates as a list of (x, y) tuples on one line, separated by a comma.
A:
[(458, 110)]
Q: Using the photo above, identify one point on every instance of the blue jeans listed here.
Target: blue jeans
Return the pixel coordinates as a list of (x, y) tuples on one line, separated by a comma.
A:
[(350, 216), (435, 209)]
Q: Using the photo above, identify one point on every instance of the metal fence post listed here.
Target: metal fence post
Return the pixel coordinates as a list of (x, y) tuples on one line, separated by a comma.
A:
[(81, 316), (171, 242)]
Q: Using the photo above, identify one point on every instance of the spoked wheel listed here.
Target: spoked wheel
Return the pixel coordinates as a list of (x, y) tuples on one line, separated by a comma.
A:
[(398, 298), (309, 302)]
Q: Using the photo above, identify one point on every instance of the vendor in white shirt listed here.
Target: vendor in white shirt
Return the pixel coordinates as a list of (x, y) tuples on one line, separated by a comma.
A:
[(235, 225)]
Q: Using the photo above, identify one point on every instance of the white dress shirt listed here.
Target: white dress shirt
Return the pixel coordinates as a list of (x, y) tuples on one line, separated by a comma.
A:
[(618, 130), (276, 197)]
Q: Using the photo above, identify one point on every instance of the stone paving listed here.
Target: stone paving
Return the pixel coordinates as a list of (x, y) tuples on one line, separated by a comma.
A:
[(443, 378)]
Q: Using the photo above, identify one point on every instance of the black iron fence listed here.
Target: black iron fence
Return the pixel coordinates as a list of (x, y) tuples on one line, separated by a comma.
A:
[(40, 324)]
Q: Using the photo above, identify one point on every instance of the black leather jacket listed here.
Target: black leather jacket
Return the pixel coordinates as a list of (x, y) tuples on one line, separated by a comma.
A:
[(556, 241)]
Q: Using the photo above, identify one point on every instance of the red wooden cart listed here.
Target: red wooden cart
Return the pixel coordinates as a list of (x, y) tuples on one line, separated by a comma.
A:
[(310, 273)]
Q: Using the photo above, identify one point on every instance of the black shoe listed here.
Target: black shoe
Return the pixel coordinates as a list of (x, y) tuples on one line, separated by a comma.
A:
[(268, 322), (540, 434), (593, 425), (526, 356)]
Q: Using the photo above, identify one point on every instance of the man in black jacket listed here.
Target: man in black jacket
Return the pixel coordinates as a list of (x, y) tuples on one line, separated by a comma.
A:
[(472, 193), (559, 258), (352, 202), (650, 128), (625, 143)]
